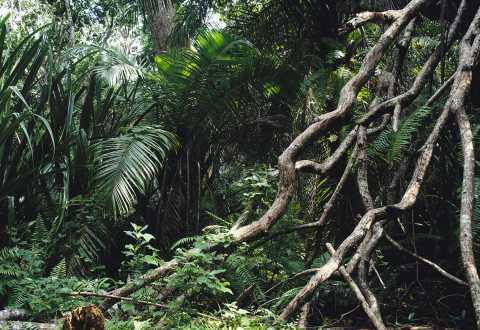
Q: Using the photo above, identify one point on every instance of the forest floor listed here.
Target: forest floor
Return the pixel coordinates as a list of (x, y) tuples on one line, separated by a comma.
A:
[(428, 303)]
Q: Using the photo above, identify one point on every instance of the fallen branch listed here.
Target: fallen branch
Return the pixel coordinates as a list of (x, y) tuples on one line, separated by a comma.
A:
[(93, 294), (426, 261), (21, 325), (143, 281), (13, 314)]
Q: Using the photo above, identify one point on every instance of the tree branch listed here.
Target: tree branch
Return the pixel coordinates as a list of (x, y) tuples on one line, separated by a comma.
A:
[(426, 261), (469, 51), (144, 280), (348, 95), (361, 19), (110, 296), (366, 307)]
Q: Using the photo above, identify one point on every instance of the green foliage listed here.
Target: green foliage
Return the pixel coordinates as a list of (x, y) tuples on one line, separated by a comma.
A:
[(26, 281), (24, 284), (393, 144), (219, 89), (66, 162), (243, 271), (198, 273), (140, 255), (131, 324), (127, 163), (230, 317)]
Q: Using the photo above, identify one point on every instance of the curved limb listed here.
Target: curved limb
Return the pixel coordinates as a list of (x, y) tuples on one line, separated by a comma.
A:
[(348, 94)]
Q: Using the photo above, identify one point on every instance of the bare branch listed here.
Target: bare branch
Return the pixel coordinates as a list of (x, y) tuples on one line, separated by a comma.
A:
[(329, 205), (469, 51), (361, 19), (130, 288), (426, 261), (377, 232), (366, 307), (362, 169), (93, 294), (303, 319), (408, 200), (406, 98), (247, 213)]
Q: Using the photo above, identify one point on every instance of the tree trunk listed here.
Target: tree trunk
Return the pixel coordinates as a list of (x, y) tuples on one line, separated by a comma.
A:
[(161, 22), (71, 38)]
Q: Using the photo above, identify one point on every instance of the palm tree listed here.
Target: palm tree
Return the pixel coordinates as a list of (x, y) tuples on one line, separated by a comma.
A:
[(219, 97)]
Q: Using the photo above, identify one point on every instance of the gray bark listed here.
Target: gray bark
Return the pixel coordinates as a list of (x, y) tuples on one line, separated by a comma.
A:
[(161, 22)]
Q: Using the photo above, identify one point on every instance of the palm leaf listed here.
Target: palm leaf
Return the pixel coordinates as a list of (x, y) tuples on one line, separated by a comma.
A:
[(124, 165), (191, 16), (115, 66)]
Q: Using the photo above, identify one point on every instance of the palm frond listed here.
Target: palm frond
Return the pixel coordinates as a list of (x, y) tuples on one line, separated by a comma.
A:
[(118, 67), (191, 16), (114, 66), (124, 165)]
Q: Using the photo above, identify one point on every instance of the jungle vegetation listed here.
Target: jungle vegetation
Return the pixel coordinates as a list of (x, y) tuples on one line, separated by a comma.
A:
[(208, 164)]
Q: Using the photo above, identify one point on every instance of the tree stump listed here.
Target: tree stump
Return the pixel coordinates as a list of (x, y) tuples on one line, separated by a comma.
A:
[(85, 318)]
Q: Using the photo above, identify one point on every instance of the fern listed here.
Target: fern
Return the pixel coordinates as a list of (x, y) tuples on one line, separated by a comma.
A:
[(393, 144), (40, 236), (426, 41), (60, 270), (321, 260), (182, 241), (8, 272), (19, 297), (217, 218), (285, 299), (242, 273)]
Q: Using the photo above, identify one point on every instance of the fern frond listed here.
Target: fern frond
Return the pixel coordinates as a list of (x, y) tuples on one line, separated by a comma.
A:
[(8, 272), (393, 144), (242, 272), (285, 299), (407, 128), (60, 270), (40, 235), (19, 297), (182, 241)]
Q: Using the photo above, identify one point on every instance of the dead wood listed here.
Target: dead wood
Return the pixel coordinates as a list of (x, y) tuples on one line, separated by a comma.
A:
[(14, 325), (244, 295), (13, 314), (85, 317), (93, 294), (143, 281), (426, 261)]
